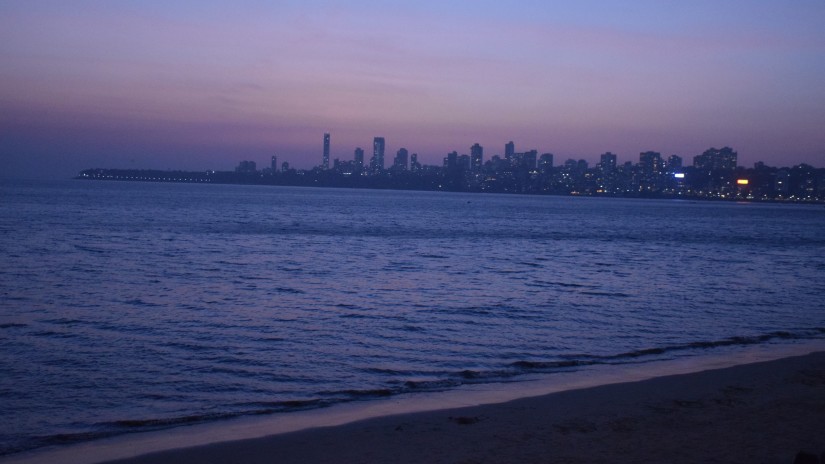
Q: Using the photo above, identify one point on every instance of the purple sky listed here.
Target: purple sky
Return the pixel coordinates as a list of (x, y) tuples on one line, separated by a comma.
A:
[(205, 84)]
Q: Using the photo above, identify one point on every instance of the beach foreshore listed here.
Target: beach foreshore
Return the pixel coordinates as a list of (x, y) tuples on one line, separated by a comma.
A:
[(761, 412)]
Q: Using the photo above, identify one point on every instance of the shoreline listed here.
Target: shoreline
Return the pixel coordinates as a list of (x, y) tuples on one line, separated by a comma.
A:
[(629, 196), (471, 409)]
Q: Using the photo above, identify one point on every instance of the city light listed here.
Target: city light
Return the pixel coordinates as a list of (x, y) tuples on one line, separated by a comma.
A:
[(714, 175)]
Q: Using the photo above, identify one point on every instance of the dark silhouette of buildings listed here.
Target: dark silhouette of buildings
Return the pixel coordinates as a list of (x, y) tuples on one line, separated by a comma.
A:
[(545, 163), (359, 159), (245, 167), (415, 166), (509, 150), (713, 175), (401, 160), (607, 162), (650, 169), (476, 157), (723, 159)]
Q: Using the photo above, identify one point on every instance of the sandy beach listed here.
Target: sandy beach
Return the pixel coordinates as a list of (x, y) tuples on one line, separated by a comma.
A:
[(757, 413)]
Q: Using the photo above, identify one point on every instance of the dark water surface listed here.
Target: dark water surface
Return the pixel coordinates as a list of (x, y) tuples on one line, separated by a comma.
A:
[(132, 306)]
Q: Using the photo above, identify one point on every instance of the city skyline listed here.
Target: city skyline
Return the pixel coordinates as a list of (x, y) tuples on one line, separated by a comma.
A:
[(475, 157), (713, 175), (152, 85)]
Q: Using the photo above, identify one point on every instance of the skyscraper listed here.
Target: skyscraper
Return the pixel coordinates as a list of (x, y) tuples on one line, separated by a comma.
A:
[(401, 158), (377, 161), (274, 164), (528, 159), (650, 168), (359, 159), (451, 160), (607, 162), (509, 151), (607, 173), (476, 155), (325, 163)]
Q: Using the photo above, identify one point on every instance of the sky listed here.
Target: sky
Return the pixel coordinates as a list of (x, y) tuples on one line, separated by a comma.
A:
[(199, 85)]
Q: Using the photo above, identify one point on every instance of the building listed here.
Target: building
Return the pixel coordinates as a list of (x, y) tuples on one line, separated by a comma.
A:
[(650, 163), (607, 173), (346, 168), (723, 159), (325, 163), (528, 159), (650, 169), (451, 160), (359, 159), (414, 165), (674, 163), (476, 157), (509, 151), (377, 161), (274, 164), (400, 161), (546, 163), (782, 181), (464, 162), (246, 167), (607, 162)]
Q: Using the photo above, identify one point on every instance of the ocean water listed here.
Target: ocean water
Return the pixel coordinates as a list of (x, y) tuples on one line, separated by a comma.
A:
[(127, 307)]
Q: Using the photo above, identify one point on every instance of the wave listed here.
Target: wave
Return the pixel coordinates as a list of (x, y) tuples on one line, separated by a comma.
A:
[(630, 356), (141, 303), (294, 291), (12, 325), (610, 294), (494, 232), (436, 382)]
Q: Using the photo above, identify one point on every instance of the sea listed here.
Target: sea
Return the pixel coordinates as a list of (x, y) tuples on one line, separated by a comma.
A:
[(128, 307)]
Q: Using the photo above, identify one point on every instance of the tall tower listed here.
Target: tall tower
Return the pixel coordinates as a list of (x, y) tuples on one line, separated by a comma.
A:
[(325, 163), (359, 159), (377, 162), (509, 151), (476, 155), (274, 165)]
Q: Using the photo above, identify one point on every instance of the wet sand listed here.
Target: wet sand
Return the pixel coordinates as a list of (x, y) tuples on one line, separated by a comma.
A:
[(763, 412)]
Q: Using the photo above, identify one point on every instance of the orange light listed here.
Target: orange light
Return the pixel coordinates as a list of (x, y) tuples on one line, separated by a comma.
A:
[(742, 181)]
